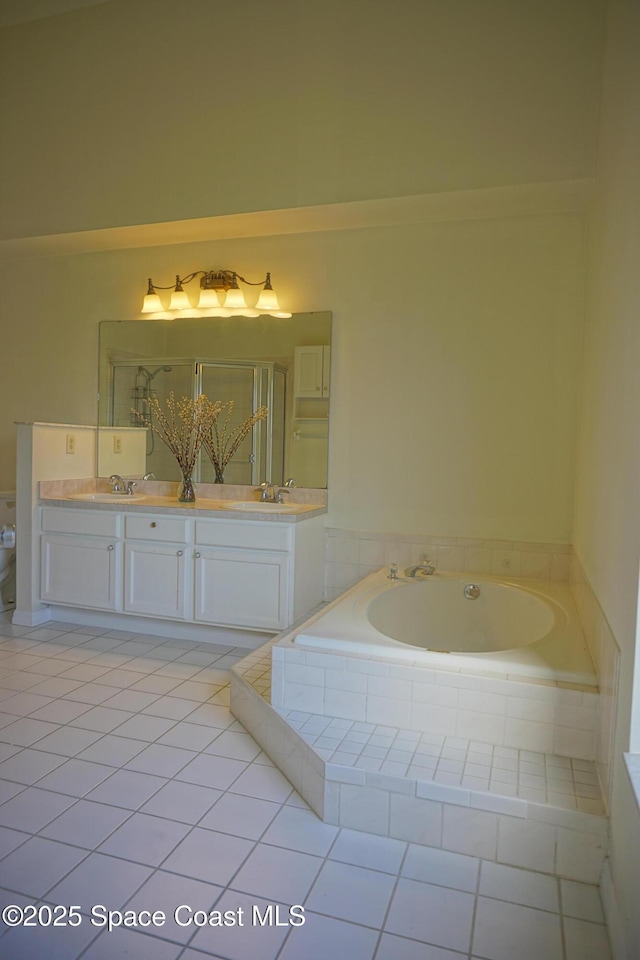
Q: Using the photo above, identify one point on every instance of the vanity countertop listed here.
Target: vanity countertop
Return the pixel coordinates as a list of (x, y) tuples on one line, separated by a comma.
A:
[(201, 508)]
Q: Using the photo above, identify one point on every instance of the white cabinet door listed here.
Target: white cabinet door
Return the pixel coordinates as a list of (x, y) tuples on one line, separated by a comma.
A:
[(81, 571), (155, 579), (242, 588), (308, 371)]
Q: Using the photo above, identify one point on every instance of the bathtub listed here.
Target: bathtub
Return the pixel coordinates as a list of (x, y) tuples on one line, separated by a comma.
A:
[(511, 628)]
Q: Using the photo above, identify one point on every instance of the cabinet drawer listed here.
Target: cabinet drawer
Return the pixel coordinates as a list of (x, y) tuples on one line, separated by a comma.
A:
[(88, 522), (172, 529), (236, 533)]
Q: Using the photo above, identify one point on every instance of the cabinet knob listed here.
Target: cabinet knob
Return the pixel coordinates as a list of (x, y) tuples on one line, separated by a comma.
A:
[(110, 547), (197, 556), (179, 553), (153, 524)]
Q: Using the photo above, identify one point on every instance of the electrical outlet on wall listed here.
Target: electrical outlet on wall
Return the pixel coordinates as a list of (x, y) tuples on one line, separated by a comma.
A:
[(117, 443), (71, 443)]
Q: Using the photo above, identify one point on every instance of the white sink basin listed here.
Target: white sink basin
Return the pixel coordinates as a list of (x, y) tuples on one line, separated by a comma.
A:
[(260, 506), (108, 497)]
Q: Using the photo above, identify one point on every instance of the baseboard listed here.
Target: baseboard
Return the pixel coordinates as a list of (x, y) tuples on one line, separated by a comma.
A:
[(31, 618), (174, 629), (617, 939)]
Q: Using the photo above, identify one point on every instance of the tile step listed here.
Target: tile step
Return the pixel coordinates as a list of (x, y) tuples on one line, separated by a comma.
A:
[(413, 786)]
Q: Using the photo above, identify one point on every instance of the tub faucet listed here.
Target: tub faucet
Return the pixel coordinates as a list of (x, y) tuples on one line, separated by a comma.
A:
[(423, 569)]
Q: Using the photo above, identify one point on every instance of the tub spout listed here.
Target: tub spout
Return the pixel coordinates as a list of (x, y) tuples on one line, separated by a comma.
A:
[(423, 569)]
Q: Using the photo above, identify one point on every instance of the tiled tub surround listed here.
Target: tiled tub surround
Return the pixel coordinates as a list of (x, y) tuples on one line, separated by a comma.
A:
[(352, 554), (525, 808), (455, 696), (606, 657), (540, 716)]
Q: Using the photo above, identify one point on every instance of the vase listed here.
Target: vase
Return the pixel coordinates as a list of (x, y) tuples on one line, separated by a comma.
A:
[(219, 474), (187, 491)]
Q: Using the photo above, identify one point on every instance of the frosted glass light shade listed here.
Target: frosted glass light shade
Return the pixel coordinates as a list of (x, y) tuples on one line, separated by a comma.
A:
[(179, 301), (208, 299), (235, 299), (267, 301), (152, 303)]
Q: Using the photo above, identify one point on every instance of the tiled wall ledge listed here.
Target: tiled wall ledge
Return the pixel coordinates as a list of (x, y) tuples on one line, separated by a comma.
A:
[(606, 657), (352, 554)]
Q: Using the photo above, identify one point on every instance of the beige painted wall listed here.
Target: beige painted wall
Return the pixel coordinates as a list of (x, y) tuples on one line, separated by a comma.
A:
[(136, 111), (456, 353), (455, 368), (607, 525)]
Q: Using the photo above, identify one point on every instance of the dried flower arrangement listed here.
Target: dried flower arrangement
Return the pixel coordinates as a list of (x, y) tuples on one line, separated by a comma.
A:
[(183, 429), (222, 444)]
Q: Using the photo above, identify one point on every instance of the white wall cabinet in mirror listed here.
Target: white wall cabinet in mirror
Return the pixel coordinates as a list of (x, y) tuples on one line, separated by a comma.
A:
[(311, 370), (251, 361)]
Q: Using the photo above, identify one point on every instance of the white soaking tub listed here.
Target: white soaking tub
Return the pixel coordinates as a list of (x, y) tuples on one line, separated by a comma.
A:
[(505, 627)]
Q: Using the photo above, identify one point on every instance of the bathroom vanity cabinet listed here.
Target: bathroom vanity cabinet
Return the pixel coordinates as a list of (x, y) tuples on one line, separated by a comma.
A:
[(237, 573)]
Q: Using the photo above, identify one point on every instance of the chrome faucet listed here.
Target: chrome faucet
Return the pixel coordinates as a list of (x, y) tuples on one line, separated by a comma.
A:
[(270, 493), (118, 485), (423, 569)]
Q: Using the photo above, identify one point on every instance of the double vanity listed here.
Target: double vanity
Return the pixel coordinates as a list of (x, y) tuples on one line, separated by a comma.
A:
[(234, 563), (228, 568)]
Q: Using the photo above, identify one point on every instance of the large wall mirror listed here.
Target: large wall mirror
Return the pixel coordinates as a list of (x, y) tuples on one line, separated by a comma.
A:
[(283, 364)]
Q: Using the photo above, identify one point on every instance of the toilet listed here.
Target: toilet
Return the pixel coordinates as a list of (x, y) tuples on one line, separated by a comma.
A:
[(7, 550)]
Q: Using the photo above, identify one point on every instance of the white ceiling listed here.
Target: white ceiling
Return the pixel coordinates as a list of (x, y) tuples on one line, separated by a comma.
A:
[(18, 11)]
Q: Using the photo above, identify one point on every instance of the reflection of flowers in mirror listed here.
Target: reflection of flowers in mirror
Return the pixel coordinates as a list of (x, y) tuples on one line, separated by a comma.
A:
[(221, 443), (187, 425), (182, 428)]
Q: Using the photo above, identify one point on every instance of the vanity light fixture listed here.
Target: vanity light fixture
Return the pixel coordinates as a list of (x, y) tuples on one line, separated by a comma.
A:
[(220, 296)]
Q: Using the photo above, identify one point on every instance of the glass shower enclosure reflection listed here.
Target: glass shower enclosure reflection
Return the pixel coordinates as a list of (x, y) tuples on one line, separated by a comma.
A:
[(250, 384)]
